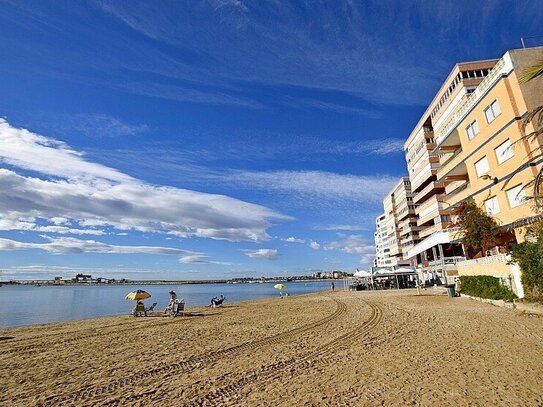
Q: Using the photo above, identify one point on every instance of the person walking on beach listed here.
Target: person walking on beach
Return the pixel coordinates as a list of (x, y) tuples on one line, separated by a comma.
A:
[(333, 286)]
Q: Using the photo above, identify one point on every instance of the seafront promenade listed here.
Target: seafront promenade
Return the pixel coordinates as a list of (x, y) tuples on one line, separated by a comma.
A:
[(340, 348)]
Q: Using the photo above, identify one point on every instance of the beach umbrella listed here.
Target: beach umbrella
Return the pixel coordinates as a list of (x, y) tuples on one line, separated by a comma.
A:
[(137, 295), (280, 286)]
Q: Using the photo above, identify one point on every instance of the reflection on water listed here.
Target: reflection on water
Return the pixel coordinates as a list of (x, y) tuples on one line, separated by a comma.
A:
[(26, 305)]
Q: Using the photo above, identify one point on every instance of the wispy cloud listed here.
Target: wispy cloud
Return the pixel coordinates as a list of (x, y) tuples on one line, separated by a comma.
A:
[(92, 125), (268, 254), (70, 245), (314, 245), (340, 227), (354, 244), (330, 186), (91, 194), (200, 258), (359, 56)]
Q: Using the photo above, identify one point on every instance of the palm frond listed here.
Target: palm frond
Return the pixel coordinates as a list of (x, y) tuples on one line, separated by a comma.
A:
[(535, 117), (532, 72)]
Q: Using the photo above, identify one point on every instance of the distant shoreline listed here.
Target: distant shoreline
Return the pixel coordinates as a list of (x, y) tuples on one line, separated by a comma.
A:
[(159, 282)]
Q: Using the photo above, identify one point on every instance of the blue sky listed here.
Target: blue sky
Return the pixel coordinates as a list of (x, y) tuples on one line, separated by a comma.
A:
[(216, 139)]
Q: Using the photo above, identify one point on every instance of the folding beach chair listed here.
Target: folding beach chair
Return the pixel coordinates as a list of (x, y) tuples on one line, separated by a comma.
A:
[(178, 308), (152, 307)]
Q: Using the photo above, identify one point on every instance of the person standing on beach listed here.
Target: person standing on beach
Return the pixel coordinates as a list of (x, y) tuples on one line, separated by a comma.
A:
[(333, 286)]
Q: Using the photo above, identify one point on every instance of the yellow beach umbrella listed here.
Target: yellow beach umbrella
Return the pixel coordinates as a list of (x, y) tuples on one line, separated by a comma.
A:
[(280, 286), (137, 295)]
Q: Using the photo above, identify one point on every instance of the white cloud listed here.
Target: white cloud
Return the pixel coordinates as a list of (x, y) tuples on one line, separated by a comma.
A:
[(293, 240), (199, 258), (91, 194), (314, 245), (269, 254), (70, 245), (354, 244), (29, 224)]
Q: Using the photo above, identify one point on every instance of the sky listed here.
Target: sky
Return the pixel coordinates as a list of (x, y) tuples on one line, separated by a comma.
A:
[(221, 138)]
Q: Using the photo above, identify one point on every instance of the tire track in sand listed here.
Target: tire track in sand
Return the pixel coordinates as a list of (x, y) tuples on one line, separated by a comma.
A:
[(274, 371), (301, 363), (87, 393)]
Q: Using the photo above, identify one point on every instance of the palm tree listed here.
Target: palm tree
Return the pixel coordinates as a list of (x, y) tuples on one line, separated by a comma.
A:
[(535, 117)]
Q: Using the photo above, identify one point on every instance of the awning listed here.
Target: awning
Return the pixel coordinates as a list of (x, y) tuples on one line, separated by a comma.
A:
[(441, 237)]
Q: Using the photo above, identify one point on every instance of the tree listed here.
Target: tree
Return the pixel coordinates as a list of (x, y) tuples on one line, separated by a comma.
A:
[(535, 117), (479, 230)]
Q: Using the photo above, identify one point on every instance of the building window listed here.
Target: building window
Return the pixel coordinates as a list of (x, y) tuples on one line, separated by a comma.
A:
[(472, 130), (516, 196), (491, 205), (492, 111), (504, 151), (481, 167)]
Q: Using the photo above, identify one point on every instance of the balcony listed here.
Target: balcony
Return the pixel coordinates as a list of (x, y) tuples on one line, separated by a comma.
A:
[(450, 163), (428, 190), (432, 208), (427, 231)]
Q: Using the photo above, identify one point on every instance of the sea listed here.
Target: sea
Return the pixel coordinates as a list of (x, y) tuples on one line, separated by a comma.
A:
[(28, 304)]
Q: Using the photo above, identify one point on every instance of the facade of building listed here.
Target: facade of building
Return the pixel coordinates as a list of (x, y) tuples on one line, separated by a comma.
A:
[(379, 238), (394, 227), (469, 143)]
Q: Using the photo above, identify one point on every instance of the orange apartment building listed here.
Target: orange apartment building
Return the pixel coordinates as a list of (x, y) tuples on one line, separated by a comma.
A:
[(469, 143)]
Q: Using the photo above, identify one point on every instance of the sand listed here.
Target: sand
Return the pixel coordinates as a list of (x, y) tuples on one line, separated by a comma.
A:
[(330, 349)]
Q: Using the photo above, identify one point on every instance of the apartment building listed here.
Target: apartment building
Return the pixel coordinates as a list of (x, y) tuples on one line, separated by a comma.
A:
[(379, 237), (433, 213), (397, 226), (469, 144)]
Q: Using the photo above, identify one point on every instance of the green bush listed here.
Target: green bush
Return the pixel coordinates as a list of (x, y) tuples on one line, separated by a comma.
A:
[(486, 287), (529, 256)]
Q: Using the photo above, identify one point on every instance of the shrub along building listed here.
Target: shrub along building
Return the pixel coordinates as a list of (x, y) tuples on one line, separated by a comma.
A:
[(470, 143)]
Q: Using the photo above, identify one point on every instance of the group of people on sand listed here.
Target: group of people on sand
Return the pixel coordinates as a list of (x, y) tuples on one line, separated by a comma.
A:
[(140, 310)]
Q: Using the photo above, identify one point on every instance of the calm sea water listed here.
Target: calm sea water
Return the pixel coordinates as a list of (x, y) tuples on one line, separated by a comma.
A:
[(27, 305)]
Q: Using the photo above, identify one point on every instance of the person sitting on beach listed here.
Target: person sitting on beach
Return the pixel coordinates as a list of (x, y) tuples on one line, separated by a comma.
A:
[(139, 309), (169, 307), (216, 301)]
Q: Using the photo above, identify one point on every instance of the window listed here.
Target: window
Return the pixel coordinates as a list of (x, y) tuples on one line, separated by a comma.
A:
[(481, 167), (492, 111), (516, 196), (504, 151), (491, 206), (472, 130)]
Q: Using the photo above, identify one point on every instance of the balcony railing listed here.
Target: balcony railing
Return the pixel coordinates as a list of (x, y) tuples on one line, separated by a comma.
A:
[(428, 188), (499, 258), (447, 261), (502, 67)]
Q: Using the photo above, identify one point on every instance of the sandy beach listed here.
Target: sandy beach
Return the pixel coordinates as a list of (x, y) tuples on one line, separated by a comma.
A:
[(337, 349)]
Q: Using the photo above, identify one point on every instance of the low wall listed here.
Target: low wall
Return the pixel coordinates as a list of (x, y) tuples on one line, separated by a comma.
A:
[(496, 266)]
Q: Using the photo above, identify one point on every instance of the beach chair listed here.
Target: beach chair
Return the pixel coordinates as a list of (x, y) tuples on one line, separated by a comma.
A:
[(178, 308), (152, 307)]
